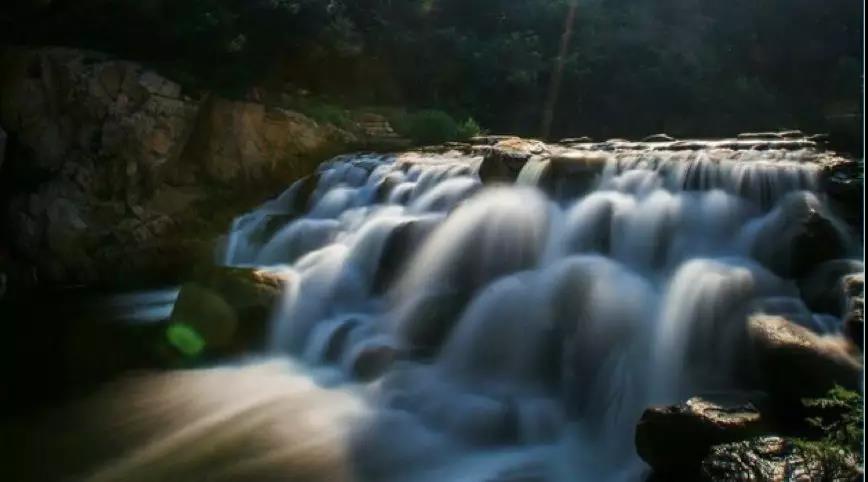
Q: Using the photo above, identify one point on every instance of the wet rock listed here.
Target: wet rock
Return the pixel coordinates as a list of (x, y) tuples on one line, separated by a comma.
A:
[(794, 363), (399, 249), (773, 459), (659, 138), (799, 235), (429, 319), (673, 440), (503, 161), (229, 308), (825, 289), (854, 308)]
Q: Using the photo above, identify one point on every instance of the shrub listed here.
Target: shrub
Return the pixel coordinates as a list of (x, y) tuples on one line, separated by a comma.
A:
[(840, 420), (469, 128), (427, 127)]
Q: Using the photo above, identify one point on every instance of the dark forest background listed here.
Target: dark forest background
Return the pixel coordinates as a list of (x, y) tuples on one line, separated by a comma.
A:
[(630, 67)]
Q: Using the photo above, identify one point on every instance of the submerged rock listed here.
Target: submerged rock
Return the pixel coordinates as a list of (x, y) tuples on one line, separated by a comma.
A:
[(673, 440), (773, 459), (372, 360), (794, 363)]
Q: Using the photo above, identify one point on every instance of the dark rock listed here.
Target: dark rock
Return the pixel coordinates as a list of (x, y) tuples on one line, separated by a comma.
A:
[(794, 363), (659, 138), (428, 321), (773, 459), (799, 235), (854, 308), (398, 250), (843, 181), (824, 289), (229, 308), (673, 440)]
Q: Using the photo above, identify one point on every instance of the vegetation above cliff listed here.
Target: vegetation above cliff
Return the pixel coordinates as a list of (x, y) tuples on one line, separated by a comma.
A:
[(688, 67)]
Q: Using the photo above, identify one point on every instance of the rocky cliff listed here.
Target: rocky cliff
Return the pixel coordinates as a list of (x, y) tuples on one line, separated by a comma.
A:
[(114, 175)]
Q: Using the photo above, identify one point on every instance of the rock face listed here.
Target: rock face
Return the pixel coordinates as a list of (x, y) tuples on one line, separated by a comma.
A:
[(771, 459), (796, 363), (117, 175), (246, 142), (673, 440)]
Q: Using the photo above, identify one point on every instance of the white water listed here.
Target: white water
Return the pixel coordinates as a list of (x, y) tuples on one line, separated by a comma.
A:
[(532, 331)]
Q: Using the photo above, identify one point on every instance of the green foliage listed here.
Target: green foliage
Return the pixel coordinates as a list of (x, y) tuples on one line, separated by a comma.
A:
[(469, 128), (840, 418), (687, 67), (840, 421), (427, 127)]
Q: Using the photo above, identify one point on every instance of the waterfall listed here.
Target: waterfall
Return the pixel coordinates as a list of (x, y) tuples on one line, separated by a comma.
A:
[(529, 328)]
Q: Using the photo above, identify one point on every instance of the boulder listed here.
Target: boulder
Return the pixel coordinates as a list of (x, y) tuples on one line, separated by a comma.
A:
[(673, 440), (229, 308), (799, 235), (503, 161), (794, 363), (774, 459)]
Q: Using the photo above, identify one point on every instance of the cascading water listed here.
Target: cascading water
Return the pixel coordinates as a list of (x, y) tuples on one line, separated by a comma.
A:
[(529, 330)]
